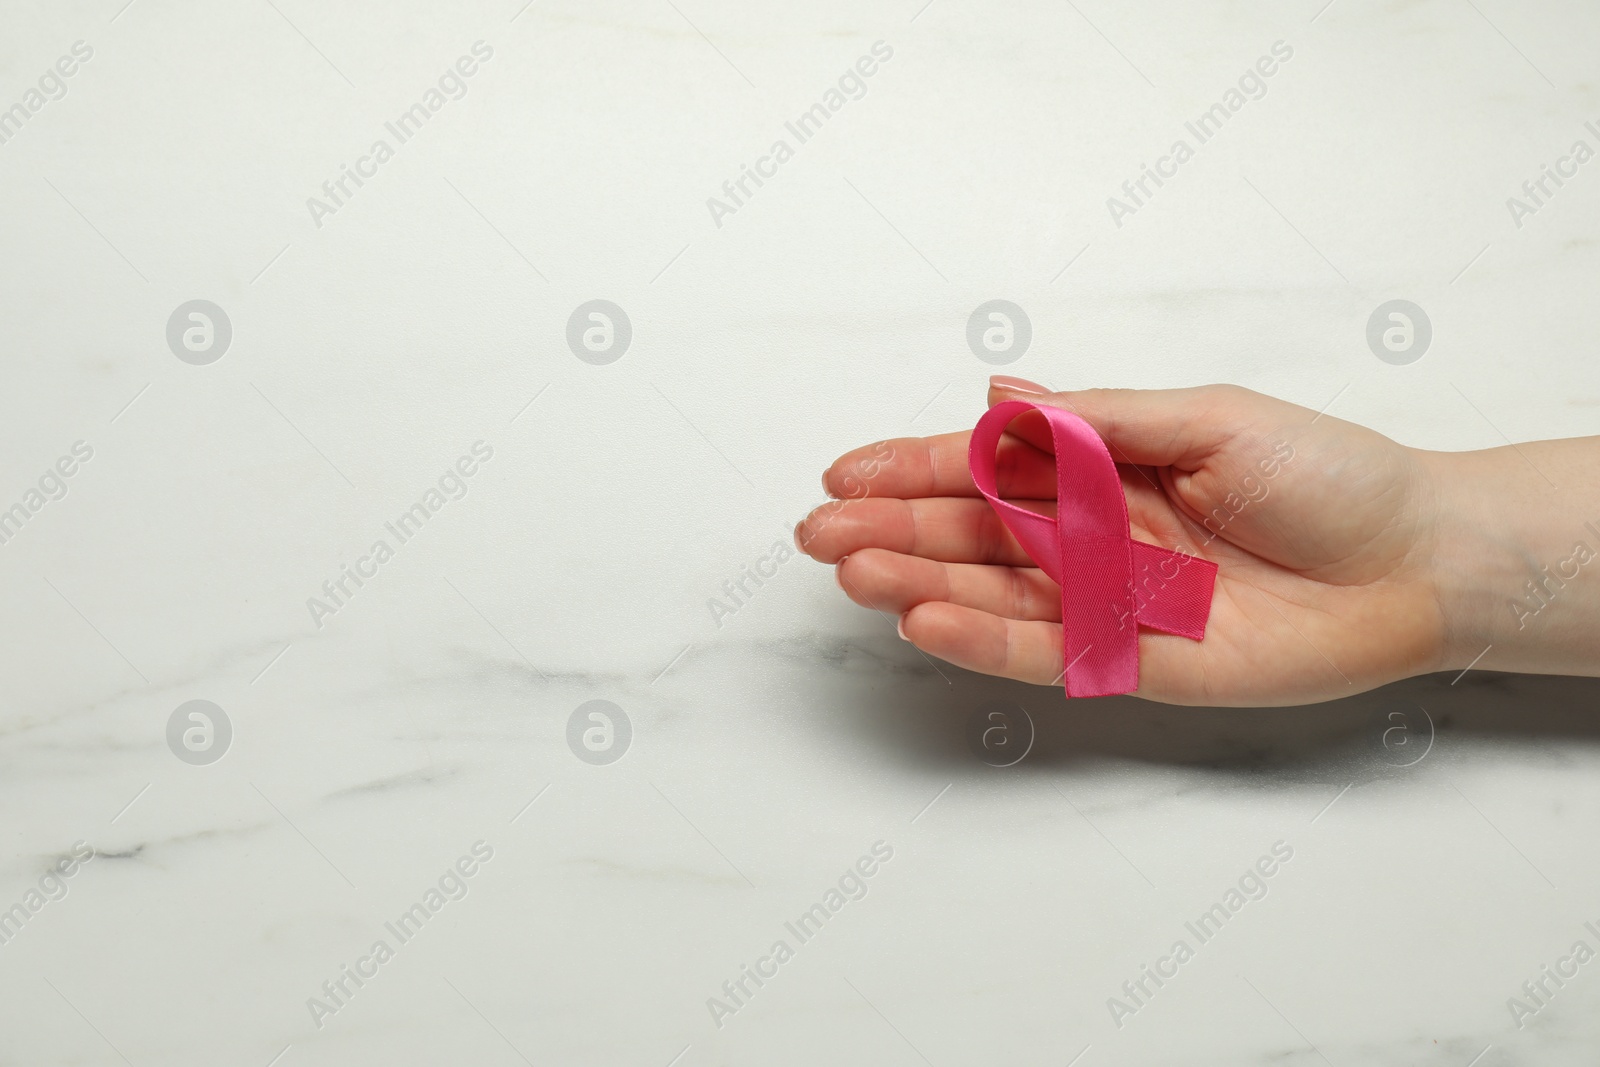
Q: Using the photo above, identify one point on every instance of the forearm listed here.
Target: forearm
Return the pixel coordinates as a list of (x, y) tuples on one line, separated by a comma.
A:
[(1516, 558)]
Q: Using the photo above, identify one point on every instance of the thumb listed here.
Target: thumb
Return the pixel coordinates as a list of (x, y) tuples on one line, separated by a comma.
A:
[(1146, 427)]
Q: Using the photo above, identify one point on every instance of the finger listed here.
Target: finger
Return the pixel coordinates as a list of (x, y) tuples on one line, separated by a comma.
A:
[(979, 641), (1153, 427), (961, 529), (937, 466), (896, 583), (949, 529), (1171, 669)]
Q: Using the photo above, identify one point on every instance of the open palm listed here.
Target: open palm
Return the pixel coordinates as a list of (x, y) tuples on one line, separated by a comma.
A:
[(1322, 532)]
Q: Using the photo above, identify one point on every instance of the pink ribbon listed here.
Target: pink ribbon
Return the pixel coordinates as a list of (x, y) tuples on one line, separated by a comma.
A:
[(1110, 583)]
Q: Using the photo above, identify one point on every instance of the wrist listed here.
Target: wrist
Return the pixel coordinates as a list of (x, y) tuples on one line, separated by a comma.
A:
[(1472, 561), (1514, 566)]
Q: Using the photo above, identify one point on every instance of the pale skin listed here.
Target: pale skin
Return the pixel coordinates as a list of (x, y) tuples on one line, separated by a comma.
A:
[(1355, 562)]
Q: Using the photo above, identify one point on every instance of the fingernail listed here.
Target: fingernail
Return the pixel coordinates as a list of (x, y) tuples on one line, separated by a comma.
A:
[(825, 490), (1016, 385), (838, 572), (900, 628)]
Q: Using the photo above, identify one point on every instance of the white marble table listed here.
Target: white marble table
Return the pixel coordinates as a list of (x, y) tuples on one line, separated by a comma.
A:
[(388, 761)]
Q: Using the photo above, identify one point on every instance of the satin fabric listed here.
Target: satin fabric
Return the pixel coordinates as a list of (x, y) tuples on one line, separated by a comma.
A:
[(1110, 583)]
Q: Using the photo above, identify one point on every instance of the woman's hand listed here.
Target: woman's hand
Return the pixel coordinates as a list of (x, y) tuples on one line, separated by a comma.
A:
[(1324, 534)]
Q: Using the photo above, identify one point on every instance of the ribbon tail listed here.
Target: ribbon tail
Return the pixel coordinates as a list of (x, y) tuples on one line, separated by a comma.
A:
[(1173, 590)]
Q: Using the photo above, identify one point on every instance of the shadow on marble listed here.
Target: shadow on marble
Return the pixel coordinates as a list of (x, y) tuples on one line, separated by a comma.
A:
[(1319, 741)]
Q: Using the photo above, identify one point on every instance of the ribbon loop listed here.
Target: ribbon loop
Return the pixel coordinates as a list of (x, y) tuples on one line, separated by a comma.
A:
[(1110, 583)]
